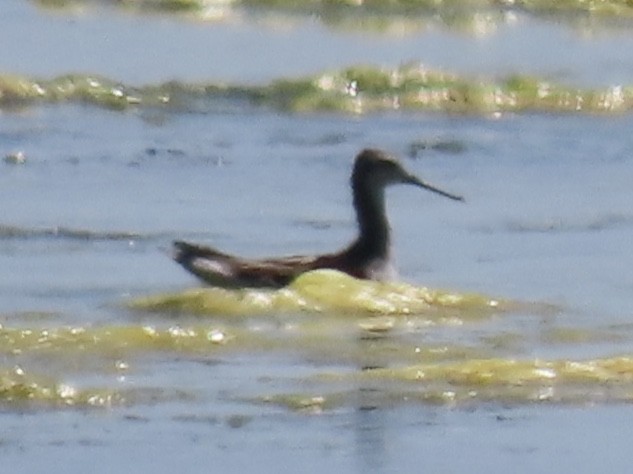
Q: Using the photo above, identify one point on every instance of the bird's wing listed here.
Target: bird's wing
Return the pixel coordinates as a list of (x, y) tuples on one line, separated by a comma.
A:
[(220, 269)]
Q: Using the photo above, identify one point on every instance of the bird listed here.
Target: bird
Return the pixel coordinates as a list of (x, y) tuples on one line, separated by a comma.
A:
[(367, 257)]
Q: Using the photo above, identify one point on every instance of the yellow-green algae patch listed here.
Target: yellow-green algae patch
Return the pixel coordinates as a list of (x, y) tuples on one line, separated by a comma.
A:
[(532, 380), (304, 403), (472, 381), (327, 291), (110, 339), (452, 12), (19, 91), (414, 87), (353, 90), (480, 372), (328, 339), (18, 386), (570, 335)]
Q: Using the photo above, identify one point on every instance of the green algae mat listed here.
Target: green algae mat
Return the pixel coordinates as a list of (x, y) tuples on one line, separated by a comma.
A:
[(322, 291), (405, 344), (401, 343), (456, 11), (354, 90)]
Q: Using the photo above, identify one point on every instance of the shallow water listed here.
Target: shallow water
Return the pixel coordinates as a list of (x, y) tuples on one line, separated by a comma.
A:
[(89, 379), (256, 48)]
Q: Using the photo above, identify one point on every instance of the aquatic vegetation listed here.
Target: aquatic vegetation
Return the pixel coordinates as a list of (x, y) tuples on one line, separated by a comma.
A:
[(472, 382), (432, 357), (16, 91), (571, 335), (374, 14), (557, 381), (327, 291), (19, 387), (303, 403), (17, 158), (487, 372), (354, 90), (110, 339)]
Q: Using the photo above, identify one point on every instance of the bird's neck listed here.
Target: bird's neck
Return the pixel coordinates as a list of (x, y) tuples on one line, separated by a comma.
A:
[(373, 226)]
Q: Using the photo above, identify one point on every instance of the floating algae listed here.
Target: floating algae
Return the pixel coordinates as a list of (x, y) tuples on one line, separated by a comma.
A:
[(18, 91), (324, 291), (105, 352), (431, 375), (453, 13), (523, 380), (303, 403), (378, 359), (353, 90), (18, 386), (571, 335), (475, 381), (110, 339)]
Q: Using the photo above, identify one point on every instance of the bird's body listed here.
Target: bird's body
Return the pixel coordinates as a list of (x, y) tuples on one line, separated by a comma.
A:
[(367, 257)]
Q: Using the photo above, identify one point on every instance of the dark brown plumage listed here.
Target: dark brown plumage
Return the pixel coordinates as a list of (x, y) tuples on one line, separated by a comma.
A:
[(368, 257)]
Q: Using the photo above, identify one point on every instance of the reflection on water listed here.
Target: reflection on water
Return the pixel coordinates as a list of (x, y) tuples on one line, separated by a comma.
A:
[(370, 430)]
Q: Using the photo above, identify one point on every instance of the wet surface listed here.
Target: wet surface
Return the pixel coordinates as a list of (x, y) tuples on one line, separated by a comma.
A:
[(256, 48), (111, 355)]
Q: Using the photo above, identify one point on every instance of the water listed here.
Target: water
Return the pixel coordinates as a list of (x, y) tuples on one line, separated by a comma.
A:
[(260, 47), (88, 219)]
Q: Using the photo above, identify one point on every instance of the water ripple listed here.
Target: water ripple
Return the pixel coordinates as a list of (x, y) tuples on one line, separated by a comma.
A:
[(560, 225), (67, 233)]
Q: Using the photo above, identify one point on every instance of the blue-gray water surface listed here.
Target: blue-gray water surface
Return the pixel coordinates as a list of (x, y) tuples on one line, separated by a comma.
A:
[(547, 218)]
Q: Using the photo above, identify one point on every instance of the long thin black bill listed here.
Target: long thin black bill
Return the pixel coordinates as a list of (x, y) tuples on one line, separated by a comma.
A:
[(429, 187)]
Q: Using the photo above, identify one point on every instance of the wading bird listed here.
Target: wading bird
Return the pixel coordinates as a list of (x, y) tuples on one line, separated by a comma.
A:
[(367, 257)]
